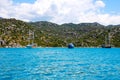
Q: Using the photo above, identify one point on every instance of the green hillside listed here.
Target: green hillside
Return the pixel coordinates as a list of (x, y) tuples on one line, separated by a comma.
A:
[(15, 33)]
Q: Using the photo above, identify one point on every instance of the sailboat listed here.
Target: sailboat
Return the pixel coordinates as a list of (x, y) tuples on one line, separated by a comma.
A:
[(31, 36), (107, 42)]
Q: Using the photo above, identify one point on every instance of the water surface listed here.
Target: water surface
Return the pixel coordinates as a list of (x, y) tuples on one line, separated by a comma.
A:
[(59, 64)]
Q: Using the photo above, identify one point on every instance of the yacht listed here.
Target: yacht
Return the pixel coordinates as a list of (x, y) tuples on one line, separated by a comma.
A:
[(31, 37)]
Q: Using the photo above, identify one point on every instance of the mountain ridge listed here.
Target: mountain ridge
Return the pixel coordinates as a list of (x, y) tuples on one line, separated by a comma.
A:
[(47, 34)]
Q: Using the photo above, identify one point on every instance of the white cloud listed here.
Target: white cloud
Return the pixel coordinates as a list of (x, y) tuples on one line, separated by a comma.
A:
[(58, 11), (99, 3), (42, 6), (108, 19)]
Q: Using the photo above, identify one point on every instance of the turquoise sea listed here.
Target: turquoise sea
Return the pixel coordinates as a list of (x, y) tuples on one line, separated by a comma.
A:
[(59, 64)]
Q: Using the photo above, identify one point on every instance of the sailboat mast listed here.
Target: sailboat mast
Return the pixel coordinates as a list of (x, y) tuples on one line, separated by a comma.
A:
[(32, 37), (29, 37), (107, 41), (108, 38)]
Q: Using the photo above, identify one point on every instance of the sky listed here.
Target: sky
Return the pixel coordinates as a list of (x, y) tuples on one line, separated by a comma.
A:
[(106, 12)]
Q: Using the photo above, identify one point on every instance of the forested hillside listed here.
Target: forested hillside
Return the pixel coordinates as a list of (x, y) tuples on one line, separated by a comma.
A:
[(14, 33)]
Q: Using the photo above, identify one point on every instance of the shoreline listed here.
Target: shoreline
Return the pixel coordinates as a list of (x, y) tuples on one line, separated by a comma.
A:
[(56, 47)]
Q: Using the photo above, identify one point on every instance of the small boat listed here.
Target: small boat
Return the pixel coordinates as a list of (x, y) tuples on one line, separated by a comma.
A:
[(29, 46), (70, 45), (106, 46)]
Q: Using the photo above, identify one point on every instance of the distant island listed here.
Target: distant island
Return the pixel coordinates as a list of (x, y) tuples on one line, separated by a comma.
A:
[(14, 33)]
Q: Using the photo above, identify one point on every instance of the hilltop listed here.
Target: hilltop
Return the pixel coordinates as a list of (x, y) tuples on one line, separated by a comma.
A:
[(47, 34)]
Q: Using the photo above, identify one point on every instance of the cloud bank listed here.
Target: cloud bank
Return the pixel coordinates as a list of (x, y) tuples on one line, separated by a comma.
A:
[(59, 11)]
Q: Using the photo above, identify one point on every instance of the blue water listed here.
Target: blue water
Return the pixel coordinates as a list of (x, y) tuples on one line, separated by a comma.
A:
[(59, 64)]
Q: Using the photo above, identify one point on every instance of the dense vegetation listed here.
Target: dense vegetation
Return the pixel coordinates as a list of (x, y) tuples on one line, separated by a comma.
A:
[(15, 33)]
